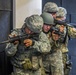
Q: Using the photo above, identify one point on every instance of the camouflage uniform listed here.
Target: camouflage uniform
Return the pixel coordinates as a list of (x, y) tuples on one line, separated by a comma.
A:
[(67, 31), (52, 61), (61, 15), (28, 60), (71, 33)]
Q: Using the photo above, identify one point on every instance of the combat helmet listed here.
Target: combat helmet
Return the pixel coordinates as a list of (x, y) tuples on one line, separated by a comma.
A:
[(50, 7), (62, 12), (47, 18), (34, 23)]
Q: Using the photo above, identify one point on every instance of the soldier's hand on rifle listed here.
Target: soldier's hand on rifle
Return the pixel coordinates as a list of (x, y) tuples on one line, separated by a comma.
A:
[(14, 42), (28, 42)]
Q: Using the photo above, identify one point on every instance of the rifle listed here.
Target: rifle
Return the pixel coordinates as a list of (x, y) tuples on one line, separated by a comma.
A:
[(73, 24), (26, 36), (64, 23), (60, 22), (57, 31)]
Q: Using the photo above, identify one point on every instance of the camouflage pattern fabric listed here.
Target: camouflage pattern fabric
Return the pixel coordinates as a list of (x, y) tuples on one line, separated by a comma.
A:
[(64, 48), (71, 31), (20, 54), (62, 12), (52, 61), (56, 59), (56, 63), (64, 55), (34, 23), (18, 71), (50, 7)]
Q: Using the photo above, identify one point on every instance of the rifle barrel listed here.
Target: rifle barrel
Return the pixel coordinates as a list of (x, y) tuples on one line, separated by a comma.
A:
[(4, 42)]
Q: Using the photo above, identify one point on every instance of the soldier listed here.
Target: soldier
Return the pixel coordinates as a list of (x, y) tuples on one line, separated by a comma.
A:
[(26, 53), (52, 61), (66, 31), (52, 8)]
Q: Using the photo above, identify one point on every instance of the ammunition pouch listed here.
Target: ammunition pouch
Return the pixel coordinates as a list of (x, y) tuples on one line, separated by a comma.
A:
[(35, 63), (27, 65), (31, 64)]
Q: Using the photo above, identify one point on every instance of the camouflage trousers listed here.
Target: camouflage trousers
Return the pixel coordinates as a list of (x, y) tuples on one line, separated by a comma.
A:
[(54, 61), (18, 71), (65, 59)]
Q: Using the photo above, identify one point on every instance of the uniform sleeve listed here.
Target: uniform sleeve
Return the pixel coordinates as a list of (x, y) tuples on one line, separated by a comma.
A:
[(72, 32), (10, 47), (43, 45)]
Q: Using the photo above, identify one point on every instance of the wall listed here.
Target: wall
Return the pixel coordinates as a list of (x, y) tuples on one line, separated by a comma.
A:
[(24, 8), (5, 27)]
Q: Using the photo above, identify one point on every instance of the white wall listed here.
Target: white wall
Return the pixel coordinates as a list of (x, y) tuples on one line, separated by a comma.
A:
[(23, 9)]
